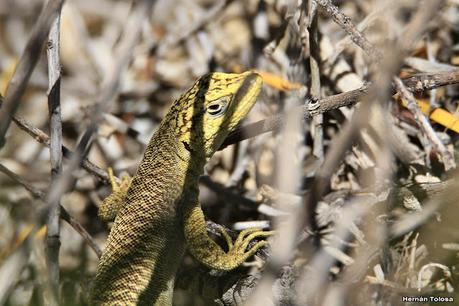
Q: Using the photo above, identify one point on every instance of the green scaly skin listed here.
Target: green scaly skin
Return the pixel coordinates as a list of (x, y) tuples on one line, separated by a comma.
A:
[(159, 213)]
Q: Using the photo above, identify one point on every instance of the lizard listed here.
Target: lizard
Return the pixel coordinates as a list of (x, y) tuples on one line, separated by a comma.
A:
[(157, 214)]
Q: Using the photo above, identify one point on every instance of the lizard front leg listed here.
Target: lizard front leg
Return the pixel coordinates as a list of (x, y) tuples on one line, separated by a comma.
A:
[(112, 204), (208, 252)]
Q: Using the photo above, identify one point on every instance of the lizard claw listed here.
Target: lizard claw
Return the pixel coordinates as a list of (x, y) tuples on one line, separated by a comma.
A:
[(229, 241), (238, 250)]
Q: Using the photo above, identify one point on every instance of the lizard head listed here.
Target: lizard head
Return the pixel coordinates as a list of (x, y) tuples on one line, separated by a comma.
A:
[(212, 108)]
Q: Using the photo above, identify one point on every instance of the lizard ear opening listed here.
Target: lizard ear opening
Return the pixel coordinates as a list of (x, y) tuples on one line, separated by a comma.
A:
[(218, 107)]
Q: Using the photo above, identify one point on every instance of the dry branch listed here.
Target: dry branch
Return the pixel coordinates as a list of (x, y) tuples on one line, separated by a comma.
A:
[(64, 214), (54, 107), (26, 65), (424, 124), (355, 35), (416, 83)]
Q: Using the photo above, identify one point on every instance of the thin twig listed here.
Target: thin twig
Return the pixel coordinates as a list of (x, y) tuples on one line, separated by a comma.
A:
[(37, 193), (27, 63), (242, 162), (424, 124), (314, 62), (429, 81), (269, 49), (345, 22), (64, 214), (361, 27), (43, 138), (53, 225), (73, 222)]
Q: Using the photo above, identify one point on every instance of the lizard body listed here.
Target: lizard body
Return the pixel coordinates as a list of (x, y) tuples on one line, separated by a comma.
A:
[(159, 213)]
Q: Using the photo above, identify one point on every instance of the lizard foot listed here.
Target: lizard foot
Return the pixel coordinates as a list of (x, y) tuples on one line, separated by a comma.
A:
[(237, 251), (124, 184), (113, 203)]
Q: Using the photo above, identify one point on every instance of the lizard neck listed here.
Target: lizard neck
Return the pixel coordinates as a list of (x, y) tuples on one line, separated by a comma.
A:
[(166, 154)]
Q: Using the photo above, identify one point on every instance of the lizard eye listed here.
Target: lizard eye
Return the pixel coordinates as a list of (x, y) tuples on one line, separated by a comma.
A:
[(218, 107)]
